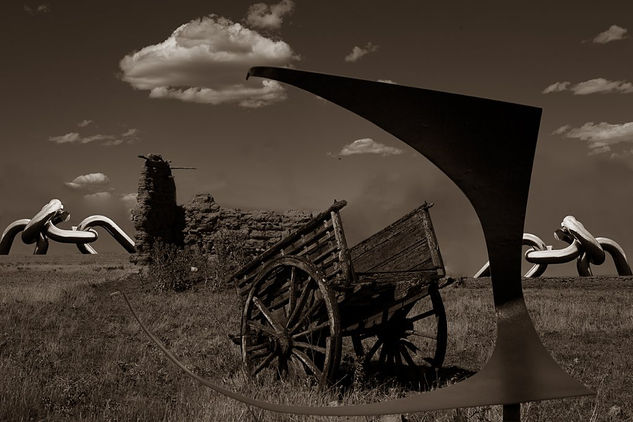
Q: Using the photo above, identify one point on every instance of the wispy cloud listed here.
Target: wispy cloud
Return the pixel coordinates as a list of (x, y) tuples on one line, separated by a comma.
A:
[(98, 196), (261, 15), (129, 136), (386, 81), (368, 146), (602, 137), (614, 33), (358, 52), (204, 61), (84, 123), (37, 10), (591, 86), (93, 182)]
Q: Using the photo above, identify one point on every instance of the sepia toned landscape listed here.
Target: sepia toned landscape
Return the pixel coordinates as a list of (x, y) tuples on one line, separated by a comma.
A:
[(69, 350)]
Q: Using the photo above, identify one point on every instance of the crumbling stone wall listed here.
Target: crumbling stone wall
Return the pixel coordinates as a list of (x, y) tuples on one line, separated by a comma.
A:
[(196, 224), (256, 229), (157, 215)]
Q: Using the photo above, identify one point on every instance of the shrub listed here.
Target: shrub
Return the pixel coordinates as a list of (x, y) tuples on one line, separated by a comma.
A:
[(230, 253), (175, 268)]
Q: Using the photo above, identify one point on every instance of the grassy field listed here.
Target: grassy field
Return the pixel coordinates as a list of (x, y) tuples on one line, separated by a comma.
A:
[(71, 351)]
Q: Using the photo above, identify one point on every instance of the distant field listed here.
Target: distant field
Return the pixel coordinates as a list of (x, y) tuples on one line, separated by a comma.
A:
[(70, 351)]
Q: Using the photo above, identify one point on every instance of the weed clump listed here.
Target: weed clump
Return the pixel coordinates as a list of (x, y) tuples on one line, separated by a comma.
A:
[(175, 268)]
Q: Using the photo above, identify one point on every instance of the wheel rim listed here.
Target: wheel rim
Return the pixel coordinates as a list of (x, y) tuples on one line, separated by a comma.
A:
[(290, 322), (414, 338)]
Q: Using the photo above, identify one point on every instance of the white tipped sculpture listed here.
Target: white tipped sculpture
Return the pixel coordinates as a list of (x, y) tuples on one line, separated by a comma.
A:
[(42, 227), (582, 246)]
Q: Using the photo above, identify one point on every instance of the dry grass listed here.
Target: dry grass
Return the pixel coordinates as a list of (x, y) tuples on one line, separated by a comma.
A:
[(70, 351)]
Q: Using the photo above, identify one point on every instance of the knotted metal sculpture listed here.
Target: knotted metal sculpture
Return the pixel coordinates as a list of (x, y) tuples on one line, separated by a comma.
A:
[(582, 245), (487, 148), (42, 227)]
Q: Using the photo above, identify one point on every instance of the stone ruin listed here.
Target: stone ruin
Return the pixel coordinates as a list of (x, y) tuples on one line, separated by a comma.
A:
[(158, 216)]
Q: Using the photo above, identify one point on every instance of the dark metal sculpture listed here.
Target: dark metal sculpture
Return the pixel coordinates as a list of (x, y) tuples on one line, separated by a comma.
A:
[(487, 148)]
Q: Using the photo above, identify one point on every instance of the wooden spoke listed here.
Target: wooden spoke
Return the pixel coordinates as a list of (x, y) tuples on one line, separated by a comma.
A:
[(374, 349), (422, 315), (263, 363), (257, 347), (300, 303), (421, 334), (398, 358), (292, 290), (262, 328), (267, 314), (318, 302), (304, 345), (383, 354), (311, 329), (410, 345), (407, 357), (307, 362)]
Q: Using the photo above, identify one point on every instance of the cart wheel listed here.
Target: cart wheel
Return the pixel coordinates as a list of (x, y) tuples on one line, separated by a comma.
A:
[(290, 322), (414, 337)]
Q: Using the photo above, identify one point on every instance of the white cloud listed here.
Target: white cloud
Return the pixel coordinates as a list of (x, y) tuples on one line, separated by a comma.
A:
[(603, 86), (561, 130), (614, 33), (556, 87), (269, 93), (386, 81), (601, 137), (358, 52), (261, 15), (205, 60), (98, 196), (37, 10), (129, 136), (129, 199), (368, 146), (90, 181), (592, 86), (68, 138), (84, 123)]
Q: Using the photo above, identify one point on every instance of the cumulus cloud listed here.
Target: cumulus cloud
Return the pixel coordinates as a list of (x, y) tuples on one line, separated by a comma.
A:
[(358, 52), (37, 10), (205, 61), (129, 136), (84, 123), (261, 15), (602, 137), (368, 146), (93, 182), (614, 33), (592, 86)]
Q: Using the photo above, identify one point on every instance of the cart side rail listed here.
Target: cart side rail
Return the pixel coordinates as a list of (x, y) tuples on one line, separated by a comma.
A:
[(408, 244), (321, 241)]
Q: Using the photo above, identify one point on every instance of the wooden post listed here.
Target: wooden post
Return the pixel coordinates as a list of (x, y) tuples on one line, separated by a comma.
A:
[(512, 412)]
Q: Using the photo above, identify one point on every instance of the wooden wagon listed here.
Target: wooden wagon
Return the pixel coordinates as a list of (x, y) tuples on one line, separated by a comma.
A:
[(308, 291)]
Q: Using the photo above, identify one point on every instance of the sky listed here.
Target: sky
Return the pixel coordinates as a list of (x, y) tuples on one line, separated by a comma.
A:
[(87, 86)]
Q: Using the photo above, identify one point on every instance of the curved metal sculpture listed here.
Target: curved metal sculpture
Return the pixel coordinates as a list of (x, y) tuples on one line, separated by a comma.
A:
[(487, 148), (42, 227)]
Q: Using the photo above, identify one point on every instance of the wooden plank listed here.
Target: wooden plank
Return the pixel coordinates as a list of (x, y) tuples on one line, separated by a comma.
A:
[(433, 245), (408, 245), (407, 239), (391, 230)]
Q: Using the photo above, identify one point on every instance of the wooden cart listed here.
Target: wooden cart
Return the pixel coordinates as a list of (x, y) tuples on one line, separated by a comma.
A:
[(308, 291)]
